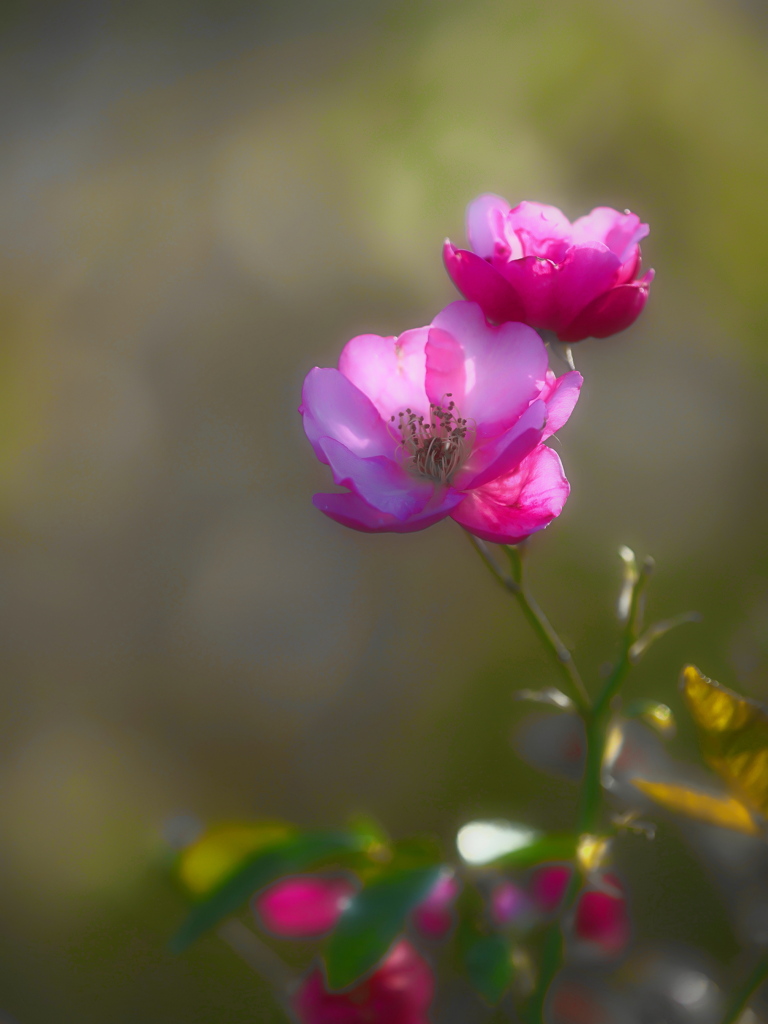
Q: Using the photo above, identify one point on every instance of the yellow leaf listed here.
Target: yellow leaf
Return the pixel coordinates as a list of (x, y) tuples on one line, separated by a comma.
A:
[(734, 736), (726, 811), (220, 849)]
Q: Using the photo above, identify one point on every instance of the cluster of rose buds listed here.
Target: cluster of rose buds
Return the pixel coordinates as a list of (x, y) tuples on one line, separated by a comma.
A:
[(450, 420), (400, 990)]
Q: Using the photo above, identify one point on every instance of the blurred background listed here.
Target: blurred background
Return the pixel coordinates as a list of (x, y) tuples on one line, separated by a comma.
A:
[(199, 202)]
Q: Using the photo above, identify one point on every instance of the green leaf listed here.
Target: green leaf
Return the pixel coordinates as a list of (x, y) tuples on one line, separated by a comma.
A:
[(488, 960), (372, 921), (556, 846), (298, 853)]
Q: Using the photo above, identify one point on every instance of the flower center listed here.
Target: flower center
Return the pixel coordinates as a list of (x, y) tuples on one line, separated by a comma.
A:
[(434, 446)]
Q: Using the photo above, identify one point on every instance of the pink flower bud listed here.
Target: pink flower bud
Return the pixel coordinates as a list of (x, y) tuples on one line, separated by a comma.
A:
[(509, 903), (446, 420), (548, 885), (434, 916), (603, 919), (398, 992), (303, 907), (530, 264)]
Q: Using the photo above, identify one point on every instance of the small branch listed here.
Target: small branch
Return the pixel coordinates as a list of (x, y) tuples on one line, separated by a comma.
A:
[(257, 955)]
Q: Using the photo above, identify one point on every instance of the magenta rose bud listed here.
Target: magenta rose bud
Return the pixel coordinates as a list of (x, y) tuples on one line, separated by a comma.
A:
[(304, 907), (603, 919), (446, 420), (434, 915), (530, 264), (548, 885), (399, 991)]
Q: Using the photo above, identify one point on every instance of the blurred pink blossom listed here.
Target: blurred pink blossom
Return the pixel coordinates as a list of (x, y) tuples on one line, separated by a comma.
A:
[(434, 915), (548, 885), (446, 420), (509, 903), (398, 992), (303, 907), (603, 919), (530, 264)]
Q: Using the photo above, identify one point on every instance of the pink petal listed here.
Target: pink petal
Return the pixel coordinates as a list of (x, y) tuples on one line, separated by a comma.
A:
[(333, 407), (304, 907), (604, 920), (485, 225), (505, 366), (508, 903), (534, 280), (504, 453), (561, 395), (479, 282), (379, 481), (587, 271), (350, 510), (548, 885), (434, 915), (619, 231), (543, 231), (398, 992), (390, 371), (445, 374), (610, 313), (629, 267), (510, 508)]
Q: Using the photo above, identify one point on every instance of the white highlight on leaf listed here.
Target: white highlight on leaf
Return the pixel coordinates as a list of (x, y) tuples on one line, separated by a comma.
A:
[(480, 842)]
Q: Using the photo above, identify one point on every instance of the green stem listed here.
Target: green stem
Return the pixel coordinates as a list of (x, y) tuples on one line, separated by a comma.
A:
[(596, 718), (742, 996), (514, 582)]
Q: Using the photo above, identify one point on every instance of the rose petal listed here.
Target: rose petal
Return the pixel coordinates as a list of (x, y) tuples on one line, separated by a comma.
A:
[(621, 232), (610, 313), (505, 367), (510, 508), (504, 453), (479, 282), (334, 407), (379, 481), (485, 225), (560, 395), (350, 510), (587, 271), (543, 231), (534, 280), (446, 372), (390, 371)]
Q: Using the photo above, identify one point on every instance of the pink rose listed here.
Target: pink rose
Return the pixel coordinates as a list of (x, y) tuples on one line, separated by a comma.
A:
[(602, 918), (398, 992), (530, 264), (446, 420), (303, 907)]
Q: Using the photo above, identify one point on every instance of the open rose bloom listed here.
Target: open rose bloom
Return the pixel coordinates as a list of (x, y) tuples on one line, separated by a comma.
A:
[(446, 420), (530, 264)]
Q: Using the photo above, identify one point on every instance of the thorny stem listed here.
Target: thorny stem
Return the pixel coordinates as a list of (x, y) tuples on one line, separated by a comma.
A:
[(596, 717), (742, 996), (514, 582)]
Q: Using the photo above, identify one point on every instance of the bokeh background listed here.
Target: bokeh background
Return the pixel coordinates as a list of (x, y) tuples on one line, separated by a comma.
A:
[(201, 200)]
